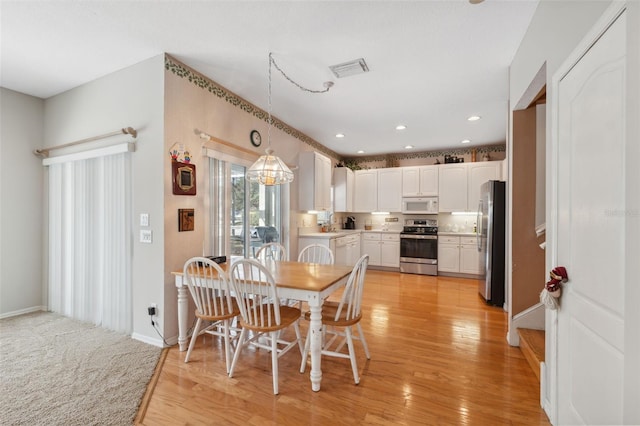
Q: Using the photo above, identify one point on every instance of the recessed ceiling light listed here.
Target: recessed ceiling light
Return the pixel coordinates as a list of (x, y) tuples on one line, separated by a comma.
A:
[(474, 118), (475, 1), (401, 127), (340, 135), (408, 147), (361, 152), (465, 141)]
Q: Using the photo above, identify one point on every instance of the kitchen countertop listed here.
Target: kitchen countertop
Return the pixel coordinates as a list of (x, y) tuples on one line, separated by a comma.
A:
[(382, 231), (340, 233), (457, 234)]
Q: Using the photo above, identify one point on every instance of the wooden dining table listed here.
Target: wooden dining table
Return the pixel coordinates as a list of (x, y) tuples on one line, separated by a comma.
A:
[(308, 282)]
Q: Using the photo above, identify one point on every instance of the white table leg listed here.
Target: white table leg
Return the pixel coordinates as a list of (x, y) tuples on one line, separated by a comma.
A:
[(183, 311), (315, 324)]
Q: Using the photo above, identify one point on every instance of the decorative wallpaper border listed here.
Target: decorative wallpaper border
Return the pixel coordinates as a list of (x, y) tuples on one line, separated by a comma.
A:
[(183, 71), (392, 158)]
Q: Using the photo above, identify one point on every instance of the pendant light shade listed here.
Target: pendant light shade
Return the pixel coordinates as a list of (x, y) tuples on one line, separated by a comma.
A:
[(269, 170)]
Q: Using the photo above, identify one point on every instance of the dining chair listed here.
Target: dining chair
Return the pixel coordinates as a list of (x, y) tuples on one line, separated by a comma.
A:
[(261, 313), (211, 293), (271, 251), (339, 318), (316, 253)]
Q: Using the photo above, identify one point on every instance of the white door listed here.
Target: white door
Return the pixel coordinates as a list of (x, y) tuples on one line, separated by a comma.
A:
[(590, 233)]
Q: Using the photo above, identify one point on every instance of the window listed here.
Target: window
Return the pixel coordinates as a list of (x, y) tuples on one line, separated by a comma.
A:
[(244, 215)]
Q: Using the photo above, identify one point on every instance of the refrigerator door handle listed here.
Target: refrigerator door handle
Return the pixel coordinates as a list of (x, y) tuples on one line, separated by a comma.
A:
[(479, 225)]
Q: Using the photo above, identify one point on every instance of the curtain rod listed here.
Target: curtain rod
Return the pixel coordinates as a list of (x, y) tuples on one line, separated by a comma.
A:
[(208, 137), (126, 131)]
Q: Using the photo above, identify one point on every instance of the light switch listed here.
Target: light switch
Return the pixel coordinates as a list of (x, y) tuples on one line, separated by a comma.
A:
[(146, 236), (144, 219)]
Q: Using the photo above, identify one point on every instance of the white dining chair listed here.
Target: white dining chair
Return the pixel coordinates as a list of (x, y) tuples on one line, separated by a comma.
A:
[(211, 293), (316, 253), (271, 251), (339, 319), (261, 313)]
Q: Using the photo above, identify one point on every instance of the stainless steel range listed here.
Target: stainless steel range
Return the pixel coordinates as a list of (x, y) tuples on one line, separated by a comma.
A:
[(419, 247)]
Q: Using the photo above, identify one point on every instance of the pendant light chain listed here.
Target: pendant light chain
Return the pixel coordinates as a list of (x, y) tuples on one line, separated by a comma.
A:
[(327, 84)]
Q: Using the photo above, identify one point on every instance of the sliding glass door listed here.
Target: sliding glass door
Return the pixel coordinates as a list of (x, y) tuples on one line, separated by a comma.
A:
[(244, 215)]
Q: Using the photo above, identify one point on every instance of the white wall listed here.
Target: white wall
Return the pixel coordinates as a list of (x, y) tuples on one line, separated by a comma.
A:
[(21, 173), (131, 97)]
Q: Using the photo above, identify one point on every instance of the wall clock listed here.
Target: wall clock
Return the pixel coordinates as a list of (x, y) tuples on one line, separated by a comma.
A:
[(256, 139)]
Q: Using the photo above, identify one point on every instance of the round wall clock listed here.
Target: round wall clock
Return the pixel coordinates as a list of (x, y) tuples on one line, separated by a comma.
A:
[(256, 139)]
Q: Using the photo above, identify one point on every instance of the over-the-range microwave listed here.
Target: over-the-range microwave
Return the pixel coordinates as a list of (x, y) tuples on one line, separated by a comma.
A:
[(420, 205)]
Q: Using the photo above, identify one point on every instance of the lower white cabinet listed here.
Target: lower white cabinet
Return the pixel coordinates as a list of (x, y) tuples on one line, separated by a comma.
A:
[(383, 248), (459, 254)]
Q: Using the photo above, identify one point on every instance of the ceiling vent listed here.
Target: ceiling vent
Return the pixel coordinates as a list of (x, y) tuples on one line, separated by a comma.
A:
[(346, 69)]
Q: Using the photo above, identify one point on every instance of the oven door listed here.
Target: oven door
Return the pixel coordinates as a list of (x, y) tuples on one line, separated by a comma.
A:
[(419, 248)]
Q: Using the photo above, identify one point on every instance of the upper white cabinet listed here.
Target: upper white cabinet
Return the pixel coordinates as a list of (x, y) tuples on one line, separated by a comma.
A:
[(378, 190), (479, 173), (452, 187), (343, 184), (459, 184), (420, 181), (314, 186), (390, 190), (365, 198)]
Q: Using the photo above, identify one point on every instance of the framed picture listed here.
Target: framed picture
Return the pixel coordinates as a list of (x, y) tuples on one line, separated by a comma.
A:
[(184, 178), (185, 220)]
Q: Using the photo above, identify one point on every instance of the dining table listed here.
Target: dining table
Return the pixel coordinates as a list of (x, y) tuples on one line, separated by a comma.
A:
[(308, 282)]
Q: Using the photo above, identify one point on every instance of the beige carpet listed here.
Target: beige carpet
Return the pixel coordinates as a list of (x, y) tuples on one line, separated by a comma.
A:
[(58, 371)]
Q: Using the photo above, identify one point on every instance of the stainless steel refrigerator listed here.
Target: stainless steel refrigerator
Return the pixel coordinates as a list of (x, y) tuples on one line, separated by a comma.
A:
[(490, 234)]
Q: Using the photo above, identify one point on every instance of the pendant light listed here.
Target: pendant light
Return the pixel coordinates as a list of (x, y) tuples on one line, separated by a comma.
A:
[(269, 169)]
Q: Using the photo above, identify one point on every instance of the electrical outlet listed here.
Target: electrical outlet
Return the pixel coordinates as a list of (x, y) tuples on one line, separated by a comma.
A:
[(146, 236), (153, 309)]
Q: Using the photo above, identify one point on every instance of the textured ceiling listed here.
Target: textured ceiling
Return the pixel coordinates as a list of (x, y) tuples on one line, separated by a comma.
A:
[(432, 63)]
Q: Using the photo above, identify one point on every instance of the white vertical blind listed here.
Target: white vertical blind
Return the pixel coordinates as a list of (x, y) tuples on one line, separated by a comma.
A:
[(90, 240)]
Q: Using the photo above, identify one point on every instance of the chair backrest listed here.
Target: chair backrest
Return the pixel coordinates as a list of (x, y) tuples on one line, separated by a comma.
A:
[(271, 251), (316, 253), (209, 286), (256, 293), (352, 296)]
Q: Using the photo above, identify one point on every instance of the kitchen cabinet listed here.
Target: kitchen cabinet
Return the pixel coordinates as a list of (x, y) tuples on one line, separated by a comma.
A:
[(314, 185), (452, 187), (366, 191), (477, 174), (378, 190), (383, 248), (459, 184), (459, 254), (389, 190), (420, 181), (343, 185)]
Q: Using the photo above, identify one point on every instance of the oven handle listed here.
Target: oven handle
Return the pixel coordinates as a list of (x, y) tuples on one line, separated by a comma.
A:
[(419, 237)]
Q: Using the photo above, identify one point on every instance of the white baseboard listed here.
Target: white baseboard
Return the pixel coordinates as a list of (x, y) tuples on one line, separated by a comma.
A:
[(155, 341), (531, 318), (23, 311)]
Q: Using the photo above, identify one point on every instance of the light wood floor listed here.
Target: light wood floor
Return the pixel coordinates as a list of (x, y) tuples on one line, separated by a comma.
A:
[(438, 356)]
